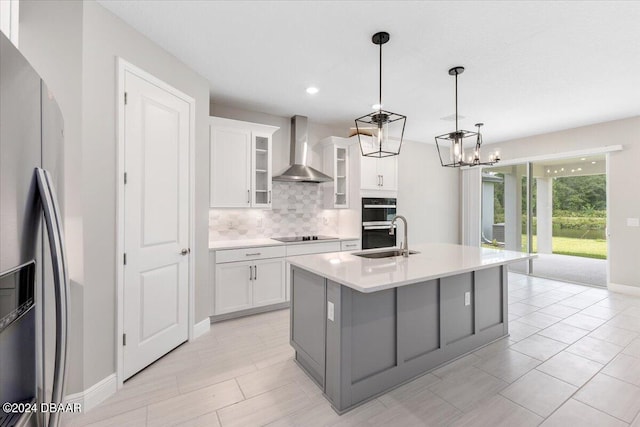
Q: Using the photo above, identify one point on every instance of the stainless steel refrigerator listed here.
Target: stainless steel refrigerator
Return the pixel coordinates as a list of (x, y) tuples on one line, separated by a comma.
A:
[(34, 287)]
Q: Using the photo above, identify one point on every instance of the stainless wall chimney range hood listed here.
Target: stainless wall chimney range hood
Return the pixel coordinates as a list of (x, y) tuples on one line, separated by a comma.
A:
[(298, 170)]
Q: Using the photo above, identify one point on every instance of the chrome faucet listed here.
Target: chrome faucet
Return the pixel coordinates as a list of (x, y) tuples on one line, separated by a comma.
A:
[(405, 244)]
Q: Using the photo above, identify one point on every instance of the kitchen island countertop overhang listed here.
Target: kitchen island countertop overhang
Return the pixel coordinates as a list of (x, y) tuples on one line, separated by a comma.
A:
[(433, 261)]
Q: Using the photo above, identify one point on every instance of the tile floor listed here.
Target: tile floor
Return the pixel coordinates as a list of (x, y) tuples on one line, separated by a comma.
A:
[(573, 358)]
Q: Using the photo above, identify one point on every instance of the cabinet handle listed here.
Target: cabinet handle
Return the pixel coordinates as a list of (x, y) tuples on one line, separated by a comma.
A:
[(255, 272), (255, 254), (250, 272), (248, 196), (382, 178), (269, 196)]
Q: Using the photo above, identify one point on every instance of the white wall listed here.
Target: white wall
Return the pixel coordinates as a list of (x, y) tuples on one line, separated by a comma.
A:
[(624, 176), (75, 45), (428, 195)]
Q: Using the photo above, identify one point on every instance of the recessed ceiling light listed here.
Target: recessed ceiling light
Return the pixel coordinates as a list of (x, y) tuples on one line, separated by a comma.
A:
[(593, 163), (583, 159), (311, 90), (579, 169), (555, 171), (561, 169), (573, 170), (548, 170), (376, 106)]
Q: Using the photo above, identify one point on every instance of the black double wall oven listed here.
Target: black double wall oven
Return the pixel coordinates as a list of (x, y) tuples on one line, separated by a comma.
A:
[(377, 214)]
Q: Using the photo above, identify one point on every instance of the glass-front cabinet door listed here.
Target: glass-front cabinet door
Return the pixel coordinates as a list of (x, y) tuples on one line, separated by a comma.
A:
[(340, 179), (261, 172)]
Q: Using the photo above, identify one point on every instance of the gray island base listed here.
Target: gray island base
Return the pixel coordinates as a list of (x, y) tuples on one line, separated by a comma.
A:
[(358, 345)]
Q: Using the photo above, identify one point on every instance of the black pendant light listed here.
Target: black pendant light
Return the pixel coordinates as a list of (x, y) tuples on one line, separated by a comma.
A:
[(380, 133), (455, 140)]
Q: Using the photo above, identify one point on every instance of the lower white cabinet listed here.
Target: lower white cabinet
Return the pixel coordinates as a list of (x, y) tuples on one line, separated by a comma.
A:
[(242, 285)]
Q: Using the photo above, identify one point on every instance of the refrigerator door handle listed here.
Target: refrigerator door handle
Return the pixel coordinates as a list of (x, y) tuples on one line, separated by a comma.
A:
[(53, 222)]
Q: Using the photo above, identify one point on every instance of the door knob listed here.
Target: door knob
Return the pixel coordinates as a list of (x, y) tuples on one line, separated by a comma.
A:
[(185, 251)]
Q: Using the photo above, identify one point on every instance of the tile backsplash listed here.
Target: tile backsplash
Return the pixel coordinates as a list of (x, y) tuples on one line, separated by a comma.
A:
[(297, 209)]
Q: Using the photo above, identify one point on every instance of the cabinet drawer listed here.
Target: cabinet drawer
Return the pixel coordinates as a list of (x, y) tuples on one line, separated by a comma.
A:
[(313, 248), (350, 245), (248, 254)]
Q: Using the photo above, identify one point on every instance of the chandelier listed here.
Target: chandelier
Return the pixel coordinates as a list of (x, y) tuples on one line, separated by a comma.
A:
[(456, 140), (380, 133)]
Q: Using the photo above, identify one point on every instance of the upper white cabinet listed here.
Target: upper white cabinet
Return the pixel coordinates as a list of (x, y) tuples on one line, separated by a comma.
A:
[(240, 164), (378, 173), (336, 165)]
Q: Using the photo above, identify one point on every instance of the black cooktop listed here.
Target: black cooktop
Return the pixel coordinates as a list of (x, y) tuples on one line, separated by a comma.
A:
[(303, 238)]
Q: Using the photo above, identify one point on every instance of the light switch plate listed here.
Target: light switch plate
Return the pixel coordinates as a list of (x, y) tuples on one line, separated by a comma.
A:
[(467, 298), (633, 222), (330, 310)]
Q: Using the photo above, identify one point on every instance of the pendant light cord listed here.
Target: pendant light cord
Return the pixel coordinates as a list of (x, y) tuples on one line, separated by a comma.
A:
[(456, 102), (380, 81)]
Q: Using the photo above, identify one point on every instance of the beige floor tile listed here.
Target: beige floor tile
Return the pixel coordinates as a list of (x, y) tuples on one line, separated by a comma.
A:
[(406, 391), (583, 321), (559, 310), (539, 320), (605, 313), (455, 367), (608, 333), (624, 321), (135, 418), (422, 409), (320, 414), (130, 396), (570, 368), (275, 376), (521, 309), (632, 311), (508, 365), (633, 348), (206, 420), (539, 347), (564, 333), (469, 388), (578, 301), (636, 422), (274, 355), (625, 368), (540, 301), (493, 348), (594, 349), (610, 395), (194, 404), (499, 412), (265, 408), (213, 373), (519, 331), (539, 392), (575, 413)]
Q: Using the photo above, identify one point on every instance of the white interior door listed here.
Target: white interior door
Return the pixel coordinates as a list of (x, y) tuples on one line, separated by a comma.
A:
[(156, 223)]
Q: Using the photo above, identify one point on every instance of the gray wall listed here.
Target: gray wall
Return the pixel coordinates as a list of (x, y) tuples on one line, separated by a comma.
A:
[(74, 45), (624, 175)]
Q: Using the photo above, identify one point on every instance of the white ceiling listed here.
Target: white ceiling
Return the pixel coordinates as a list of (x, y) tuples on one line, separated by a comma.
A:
[(531, 66)]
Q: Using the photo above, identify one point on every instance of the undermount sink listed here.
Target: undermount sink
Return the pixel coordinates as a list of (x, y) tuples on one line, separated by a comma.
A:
[(383, 254)]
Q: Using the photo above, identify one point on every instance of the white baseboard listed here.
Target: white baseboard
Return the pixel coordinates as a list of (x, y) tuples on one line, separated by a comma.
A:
[(624, 289), (201, 328), (96, 394)]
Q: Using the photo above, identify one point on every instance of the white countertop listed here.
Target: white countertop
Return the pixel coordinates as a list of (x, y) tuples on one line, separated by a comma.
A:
[(434, 261), (256, 243)]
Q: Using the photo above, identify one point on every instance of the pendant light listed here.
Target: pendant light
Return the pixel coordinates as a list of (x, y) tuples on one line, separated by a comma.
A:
[(455, 140), (380, 133)]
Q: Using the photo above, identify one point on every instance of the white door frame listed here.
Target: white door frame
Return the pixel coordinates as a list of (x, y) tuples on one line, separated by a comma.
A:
[(122, 68)]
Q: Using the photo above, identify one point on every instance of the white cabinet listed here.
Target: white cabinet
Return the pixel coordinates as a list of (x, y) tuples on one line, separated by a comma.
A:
[(336, 165), (379, 173), (240, 166), (268, 282), (247, 278), (233, 287)]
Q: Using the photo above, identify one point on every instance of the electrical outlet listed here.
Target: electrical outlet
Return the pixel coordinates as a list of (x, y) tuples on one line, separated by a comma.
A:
[(633, 222), (230, 225), (325, 220), (467, 298), (330, 310)]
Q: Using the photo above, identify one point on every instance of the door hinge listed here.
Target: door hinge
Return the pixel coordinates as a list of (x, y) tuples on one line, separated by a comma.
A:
[(124, 339), (125, 98), (124, 258), (125, 177)]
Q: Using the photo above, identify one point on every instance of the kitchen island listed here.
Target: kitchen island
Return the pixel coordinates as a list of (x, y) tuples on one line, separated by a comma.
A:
[(362, 326)]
